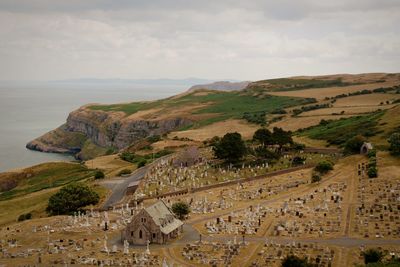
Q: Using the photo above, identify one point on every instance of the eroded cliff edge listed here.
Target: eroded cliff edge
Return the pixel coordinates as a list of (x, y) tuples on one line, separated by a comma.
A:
[(88, 129)]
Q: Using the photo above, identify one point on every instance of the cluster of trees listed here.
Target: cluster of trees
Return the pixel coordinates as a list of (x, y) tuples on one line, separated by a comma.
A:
[(257, 117), (269, 145), (363, 92), (71, 198), (309, 108)]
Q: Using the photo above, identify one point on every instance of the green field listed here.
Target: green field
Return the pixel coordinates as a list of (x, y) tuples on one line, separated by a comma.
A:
[(224, 105), (337, 132), (286, 84), (47, 175)]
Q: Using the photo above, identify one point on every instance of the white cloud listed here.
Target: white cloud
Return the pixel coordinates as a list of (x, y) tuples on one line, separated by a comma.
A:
[(211, 39)]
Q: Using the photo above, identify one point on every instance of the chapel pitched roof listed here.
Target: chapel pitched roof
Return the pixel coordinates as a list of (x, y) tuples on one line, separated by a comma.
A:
[(163, 217)]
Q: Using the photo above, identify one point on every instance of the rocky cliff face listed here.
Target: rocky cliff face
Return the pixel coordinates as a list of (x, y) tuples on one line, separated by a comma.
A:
[(104, 129)]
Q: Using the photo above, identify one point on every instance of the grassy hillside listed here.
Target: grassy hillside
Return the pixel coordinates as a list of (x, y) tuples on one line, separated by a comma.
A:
[(291, 84), (337, 132), (218, 105), (43, 176)]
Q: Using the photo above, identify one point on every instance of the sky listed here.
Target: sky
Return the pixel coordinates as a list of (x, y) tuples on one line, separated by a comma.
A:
[(211, 39)]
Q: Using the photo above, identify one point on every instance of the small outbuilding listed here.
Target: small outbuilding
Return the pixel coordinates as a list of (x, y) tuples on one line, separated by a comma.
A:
[(156, 224), (365, 148), (188, 157)]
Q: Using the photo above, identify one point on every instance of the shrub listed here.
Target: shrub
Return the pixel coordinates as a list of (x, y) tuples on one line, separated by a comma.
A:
[(372, 256), (142, 163), (26, 216), (394, 142), (110, 151), (124, 172), (353, 145), (315, 178), (372, 153), (372, 162), (127, 156), (255, 117), (324, 122), (298, 146), (295, 261), (372, 172), (154, 138), (71, 198), (297, 160), (265, 153), (99, 174), (323, 167), (278, 111), (180, 209)]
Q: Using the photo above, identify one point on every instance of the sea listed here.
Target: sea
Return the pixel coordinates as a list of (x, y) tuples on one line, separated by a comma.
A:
[(30, 109)]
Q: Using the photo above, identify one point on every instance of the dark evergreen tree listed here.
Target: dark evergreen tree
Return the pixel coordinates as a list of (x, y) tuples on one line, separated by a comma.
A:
[(180, 209), (71, 198), (230, 148)]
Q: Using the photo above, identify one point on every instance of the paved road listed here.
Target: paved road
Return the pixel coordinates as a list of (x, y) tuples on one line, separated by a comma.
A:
[(119, 188)]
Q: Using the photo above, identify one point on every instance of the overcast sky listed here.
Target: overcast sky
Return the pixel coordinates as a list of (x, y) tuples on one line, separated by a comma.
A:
[(243, 40)]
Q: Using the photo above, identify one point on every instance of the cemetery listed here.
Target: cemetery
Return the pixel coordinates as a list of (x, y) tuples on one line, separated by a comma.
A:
[(172, 175), (252, 223)]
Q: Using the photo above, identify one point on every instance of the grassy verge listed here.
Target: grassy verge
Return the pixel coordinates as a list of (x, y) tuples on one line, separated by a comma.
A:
[(35, 203), (48, 175)]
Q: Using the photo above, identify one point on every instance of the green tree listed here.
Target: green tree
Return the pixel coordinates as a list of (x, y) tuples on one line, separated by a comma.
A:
[(372, 256), (180, 209), (71, 198), (265, 153), (281, 137), (99, 174), (295, 261), (353, 145), (264, 137), (230, 148), (323, 167), (394, 142)]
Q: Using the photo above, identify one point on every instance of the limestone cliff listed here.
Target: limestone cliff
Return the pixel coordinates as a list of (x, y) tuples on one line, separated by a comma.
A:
[(104, 129)]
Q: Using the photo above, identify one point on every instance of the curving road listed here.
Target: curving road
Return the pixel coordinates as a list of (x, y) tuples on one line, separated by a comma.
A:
[(119, 189)]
